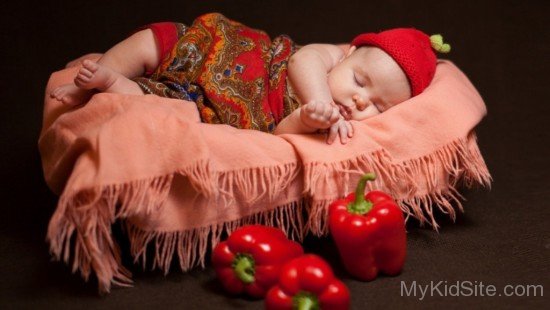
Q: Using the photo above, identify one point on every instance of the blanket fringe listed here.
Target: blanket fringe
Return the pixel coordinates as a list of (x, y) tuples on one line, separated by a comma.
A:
[(191, 245), (83, 218), (459, 161), (446, 202), (88, 216), (248, 186), (200, 177)]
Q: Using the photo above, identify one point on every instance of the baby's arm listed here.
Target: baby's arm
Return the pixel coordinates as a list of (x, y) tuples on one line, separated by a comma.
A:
[(309, 118), (323, 116), (293, 124), (308, 69)]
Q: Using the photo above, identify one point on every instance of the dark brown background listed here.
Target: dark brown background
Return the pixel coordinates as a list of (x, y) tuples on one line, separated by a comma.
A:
[(503, 238)]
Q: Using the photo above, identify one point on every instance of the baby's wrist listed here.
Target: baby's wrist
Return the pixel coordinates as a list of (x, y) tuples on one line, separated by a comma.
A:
[(304, 120), (320, 101)]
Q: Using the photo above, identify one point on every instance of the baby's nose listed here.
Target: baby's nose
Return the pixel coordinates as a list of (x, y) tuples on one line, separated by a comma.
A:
[(359, 103)]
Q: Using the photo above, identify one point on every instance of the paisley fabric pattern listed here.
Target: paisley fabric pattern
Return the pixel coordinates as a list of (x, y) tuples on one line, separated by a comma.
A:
[(235, 74)]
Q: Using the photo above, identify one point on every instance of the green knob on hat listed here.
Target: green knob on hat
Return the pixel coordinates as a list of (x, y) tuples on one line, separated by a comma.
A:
[(437, 43)]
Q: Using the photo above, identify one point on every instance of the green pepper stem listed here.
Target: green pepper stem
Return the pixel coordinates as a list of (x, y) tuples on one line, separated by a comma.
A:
[(360, 205), (305, 301), (243, 265)]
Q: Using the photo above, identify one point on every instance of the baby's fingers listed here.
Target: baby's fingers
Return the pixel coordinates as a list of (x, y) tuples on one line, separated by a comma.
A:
[(343, 130), (334, 116), (350, 129), (332, 134), (310, 107), (327, 111)]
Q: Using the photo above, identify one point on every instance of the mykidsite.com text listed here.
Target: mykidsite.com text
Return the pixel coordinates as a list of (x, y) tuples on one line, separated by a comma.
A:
[(467, 289)]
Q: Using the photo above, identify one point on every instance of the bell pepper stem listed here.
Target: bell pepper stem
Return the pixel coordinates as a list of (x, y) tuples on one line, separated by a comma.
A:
[(305, 304), (360, 205), (305, 301), (243, 266)]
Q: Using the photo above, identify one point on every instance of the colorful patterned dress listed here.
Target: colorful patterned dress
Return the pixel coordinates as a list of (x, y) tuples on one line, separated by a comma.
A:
[(235, 74)]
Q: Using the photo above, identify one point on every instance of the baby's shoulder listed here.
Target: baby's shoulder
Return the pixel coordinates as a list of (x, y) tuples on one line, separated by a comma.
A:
[(339, 47)]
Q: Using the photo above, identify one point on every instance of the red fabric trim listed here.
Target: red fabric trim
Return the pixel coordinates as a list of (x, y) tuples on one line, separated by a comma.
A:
[(166, 35)]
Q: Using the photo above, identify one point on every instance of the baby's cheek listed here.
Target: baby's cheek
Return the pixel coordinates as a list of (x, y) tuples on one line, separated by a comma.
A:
[(335, 85)]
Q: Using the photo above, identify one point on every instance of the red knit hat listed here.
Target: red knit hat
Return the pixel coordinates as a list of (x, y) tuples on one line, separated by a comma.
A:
[(411, 49)]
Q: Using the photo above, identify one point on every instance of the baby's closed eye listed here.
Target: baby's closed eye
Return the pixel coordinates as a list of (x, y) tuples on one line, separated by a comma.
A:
[(357, 80)]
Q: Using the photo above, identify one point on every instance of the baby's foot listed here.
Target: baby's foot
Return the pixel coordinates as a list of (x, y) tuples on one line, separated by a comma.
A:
[(71, 95), (319, 115), (95, 76), (78, 62)]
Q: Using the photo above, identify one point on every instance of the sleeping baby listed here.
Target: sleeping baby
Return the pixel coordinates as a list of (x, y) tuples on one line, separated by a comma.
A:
[(238, 76)]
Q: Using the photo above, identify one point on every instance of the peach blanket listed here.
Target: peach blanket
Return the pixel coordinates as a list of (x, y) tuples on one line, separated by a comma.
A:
[(177, 184)]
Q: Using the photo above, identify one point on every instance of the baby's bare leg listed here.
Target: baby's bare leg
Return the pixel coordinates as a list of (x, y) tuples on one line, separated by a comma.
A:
[(78, 62), (93, 75), (133, 56), (114, 70)]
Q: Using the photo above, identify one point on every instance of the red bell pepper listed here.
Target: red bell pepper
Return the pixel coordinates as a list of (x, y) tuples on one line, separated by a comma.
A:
[(307, 282), (250, 260), (369, 232)]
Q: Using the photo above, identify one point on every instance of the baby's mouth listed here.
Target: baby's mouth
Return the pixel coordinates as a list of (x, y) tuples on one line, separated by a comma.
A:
[(345, 111)]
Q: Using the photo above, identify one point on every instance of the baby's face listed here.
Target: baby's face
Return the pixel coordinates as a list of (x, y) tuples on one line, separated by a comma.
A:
[(367, 82)]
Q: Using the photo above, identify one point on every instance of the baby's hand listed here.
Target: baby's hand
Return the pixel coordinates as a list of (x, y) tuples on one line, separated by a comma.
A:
[(319, 115), (342, 128)]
